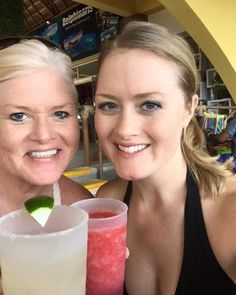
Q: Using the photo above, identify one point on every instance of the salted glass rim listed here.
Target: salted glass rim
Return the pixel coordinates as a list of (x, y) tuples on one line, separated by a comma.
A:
[(39, 235)]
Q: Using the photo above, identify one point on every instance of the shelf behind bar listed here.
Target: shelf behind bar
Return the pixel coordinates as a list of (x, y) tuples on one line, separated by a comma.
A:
[(220, 107)]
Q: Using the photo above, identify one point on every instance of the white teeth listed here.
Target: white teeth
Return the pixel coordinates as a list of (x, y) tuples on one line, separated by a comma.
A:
[(132, 149), (44, 154)]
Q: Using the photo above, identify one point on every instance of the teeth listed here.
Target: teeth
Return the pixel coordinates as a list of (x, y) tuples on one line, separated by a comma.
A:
[(132, 149), (44, 154)]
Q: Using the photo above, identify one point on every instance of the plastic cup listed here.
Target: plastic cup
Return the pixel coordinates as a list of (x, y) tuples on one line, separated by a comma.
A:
[(107, 229), (43, 261)]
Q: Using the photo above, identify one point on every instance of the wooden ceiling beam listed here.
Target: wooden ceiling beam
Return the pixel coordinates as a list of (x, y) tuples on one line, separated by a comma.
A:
[(50, 8), (64, 2), (53, 6), (37, 11), (30, 14)]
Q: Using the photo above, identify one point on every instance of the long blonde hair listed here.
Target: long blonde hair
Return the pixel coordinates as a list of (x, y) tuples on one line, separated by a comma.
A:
[(208, 172)]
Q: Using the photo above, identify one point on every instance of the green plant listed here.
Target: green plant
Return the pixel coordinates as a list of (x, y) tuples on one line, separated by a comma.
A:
[(11, 17)]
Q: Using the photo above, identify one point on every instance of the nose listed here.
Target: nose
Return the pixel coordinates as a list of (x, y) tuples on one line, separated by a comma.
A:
[(42, 131), (127, 125)]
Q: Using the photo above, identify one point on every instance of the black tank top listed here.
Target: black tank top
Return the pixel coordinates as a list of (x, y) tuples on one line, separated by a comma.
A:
[(201, 274)]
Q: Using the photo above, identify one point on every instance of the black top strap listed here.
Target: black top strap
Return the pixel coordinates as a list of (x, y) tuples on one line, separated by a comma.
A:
[(201, 274), (128, 193)]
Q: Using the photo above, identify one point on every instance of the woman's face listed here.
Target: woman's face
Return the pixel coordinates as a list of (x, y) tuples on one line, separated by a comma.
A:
[(39, 132), (140, 113)]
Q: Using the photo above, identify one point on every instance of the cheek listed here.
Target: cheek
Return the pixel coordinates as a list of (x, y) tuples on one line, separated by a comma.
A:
[(12, 138), (75, 136), (168, 131), (72, 134), (100, 125)]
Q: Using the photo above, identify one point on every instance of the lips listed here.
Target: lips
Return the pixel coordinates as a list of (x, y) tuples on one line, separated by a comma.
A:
[(43, 154), (132, 148)]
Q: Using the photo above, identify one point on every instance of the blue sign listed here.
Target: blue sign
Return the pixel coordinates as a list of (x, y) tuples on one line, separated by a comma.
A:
[(81, 30)]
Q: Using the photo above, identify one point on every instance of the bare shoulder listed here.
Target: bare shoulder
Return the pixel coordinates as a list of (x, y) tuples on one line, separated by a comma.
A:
[(114, 189), (230, 188), (227, 224), (72, 191), (227, 198), (227, 206)]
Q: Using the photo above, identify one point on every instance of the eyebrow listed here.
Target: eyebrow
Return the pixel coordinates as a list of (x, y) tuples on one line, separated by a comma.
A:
[(148, 94), (29, 108), (138, 96)]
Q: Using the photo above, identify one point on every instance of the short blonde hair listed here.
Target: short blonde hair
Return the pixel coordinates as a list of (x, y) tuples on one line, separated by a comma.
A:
[(30, 56)]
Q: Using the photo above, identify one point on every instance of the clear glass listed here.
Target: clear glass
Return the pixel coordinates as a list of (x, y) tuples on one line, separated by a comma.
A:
[(107, 228), (43, 261)]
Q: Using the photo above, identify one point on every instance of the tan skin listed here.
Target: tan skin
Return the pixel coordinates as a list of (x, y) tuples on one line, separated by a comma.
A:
[(39, 135), (45, 124), (133, 131), (155, 241), (42, 122)]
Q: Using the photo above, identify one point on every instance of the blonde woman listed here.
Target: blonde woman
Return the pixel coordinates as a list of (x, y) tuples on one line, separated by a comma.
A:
[(39, 130), (182, 202)]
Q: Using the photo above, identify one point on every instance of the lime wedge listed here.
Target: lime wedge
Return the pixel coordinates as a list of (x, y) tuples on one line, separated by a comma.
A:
[(40, 208)]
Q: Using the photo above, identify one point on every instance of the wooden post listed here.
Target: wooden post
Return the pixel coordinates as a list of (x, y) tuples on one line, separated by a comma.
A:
[(100, 156), (84, 116)]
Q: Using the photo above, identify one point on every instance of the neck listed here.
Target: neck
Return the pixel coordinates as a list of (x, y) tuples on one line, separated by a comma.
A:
[(14, 194), (166, 186)]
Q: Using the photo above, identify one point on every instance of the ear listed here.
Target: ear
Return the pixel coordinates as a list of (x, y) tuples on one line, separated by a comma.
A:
[(190, 109), (195, 100)]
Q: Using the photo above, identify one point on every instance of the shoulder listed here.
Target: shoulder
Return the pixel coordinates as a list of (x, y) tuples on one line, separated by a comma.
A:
[(227, 212), (230, 187), (114, 189), (227, 198), (72, 191)]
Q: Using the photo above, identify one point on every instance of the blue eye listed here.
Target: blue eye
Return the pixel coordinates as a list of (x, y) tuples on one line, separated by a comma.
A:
[(18, 117), (61, 114), (150, 106), (108, 106)]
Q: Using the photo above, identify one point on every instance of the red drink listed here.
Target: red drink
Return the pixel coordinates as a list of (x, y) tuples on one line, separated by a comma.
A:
[(106, 257), (102, 214), (106, 245)]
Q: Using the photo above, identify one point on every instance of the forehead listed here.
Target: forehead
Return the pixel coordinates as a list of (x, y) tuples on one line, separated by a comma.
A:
[(140, 68), (41, 87)]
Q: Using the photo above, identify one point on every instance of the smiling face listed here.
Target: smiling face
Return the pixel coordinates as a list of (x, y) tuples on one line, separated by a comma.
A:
[(38, 127), (140, 113)]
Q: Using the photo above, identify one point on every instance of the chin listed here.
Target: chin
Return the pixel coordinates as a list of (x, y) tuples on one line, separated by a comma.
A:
[(128, 175), (47, 179)]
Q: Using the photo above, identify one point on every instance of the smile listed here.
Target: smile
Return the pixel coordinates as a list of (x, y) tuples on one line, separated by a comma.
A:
[(132, 149), (43, 154)]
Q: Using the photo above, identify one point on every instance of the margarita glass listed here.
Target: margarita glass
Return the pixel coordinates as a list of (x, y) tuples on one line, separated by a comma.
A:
[(45, 260)]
